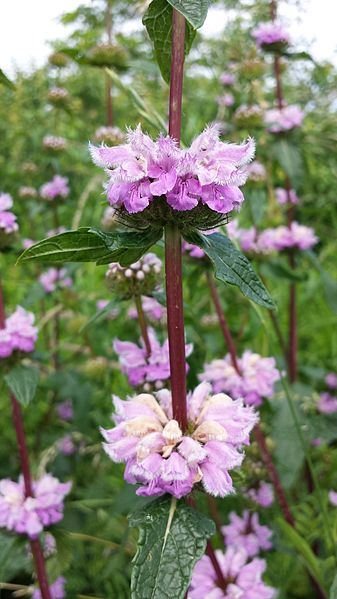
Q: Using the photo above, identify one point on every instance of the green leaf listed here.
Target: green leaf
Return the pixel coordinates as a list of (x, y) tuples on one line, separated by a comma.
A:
[(288, 450), (194, 11), (329, 284), (290, 160), (298, 56), (93, 245), (257, 202), (158, 22), (333, 590), (5, 81), (295, 540), (231, 266), (280, 270), (172, 538), (22, 382)]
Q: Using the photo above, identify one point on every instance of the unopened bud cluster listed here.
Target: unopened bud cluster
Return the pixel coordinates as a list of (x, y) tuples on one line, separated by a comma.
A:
[(140, 278), (58, 95), (109, 135), (106, 55), (54, 143)]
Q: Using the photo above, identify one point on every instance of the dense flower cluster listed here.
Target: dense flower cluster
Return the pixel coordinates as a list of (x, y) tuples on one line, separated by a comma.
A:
[(247, 533), (56, 188), (271, 34), (209, 172), (226, 99), (248, 115), (155, 311), (29, 515), (109, 135), (142, 369), (274, 239), (58, 95), (285, 196), (254, 381), (243, 578), (227, 78), (66, 444), (333, 498), (54, 143), (331, 380), (327, 404), (56, 589), (8, 224), (65, 410), (263, 494), (163, 459), (19, 333), (55, 278), (279, 120)]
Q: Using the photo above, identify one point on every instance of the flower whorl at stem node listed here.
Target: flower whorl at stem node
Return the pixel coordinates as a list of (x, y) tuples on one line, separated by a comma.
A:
[(140, 278), (163, 459)]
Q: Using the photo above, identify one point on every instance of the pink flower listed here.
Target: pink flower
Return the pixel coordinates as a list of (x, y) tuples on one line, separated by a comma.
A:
[(333, 498), (57, 187), (331, 380), (270, 33), (29, 515), (256, 171), (55, 278), (6, 201), (66, 445), (254, 383), (284, 119), (19, 326), (163, 459), (152, 308), (65, 410), (247, 533), (8, 222), (263, 495), (57, 590), (141, 369), (209, 172), (327, 404), (243, 578), (283, 196), (226, 100), (227, 79)]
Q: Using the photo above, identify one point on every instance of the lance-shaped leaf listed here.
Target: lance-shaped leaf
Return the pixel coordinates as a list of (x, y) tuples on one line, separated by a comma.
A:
[(231, 266), (158, 22), (5, 81), (22, 381), (93, 245), (172, 538), (194, 11)]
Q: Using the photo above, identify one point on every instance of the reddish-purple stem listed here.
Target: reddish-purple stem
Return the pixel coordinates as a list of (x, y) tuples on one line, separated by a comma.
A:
[(173, 260), (35, 544), (216, 566), (143, 324)]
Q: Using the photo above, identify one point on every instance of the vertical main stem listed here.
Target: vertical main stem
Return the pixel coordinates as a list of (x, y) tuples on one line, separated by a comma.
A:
[(175, 323), (173, 259), (24, 459), (143, 324)]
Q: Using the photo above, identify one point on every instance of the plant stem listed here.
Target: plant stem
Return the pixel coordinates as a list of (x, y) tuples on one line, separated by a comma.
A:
[(173, 259), (222, 321), (217, 569), (143, 324), (175, 323), (24, 459)]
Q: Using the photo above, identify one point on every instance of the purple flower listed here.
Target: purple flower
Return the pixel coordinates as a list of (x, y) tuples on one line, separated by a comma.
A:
[(56, 188), (8, 222), (226, 100), (6, 201), (57, 590), (143, 169), (29, 515), (263, 495), (247, 533), (271, 33), (65, 410), (256, 171), (284, 196), (333, 498), (227, 78), (331, 380), (152, 308), (254, 383), (243, 578), (273, 239), (327, 404), (55, 278), (163, 459), (66, 445), (139, 367), (22, 333), (284, 119)]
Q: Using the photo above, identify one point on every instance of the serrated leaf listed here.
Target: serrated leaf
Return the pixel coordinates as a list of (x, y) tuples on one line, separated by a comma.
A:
[(169, 545), (312, 563), (333, 590), (158, 23), (194, 11), (127, 247), (22, 382), (231, 266), (5, 81)]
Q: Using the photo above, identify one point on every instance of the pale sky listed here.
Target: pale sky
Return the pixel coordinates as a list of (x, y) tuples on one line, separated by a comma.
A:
[(27, 25)]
